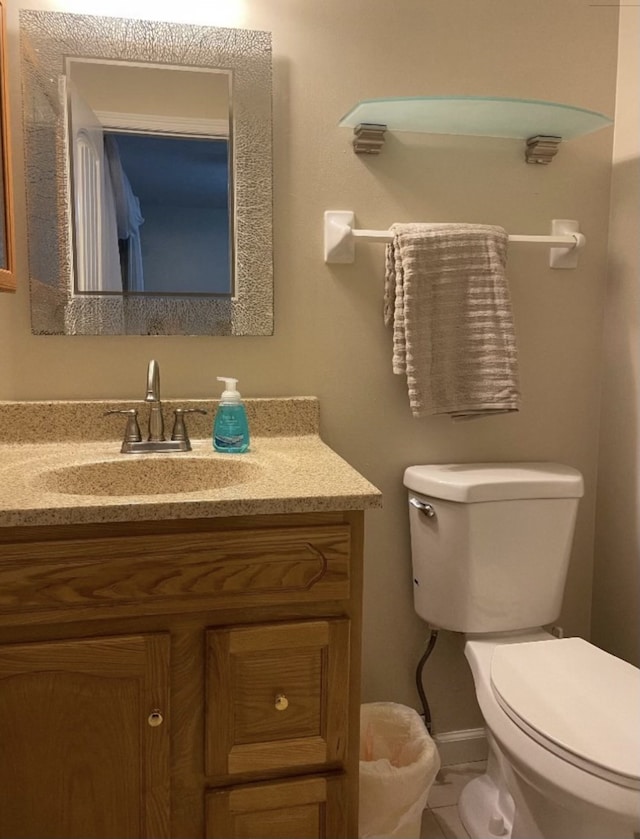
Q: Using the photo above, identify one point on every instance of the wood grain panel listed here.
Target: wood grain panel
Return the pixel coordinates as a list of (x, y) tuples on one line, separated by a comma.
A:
[(306, 662), (155, 527), (279, 754), (189, 572), (78, 755), (306, 808)]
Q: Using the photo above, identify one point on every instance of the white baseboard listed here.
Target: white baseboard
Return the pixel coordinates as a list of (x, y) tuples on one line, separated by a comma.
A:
[(464, 746)]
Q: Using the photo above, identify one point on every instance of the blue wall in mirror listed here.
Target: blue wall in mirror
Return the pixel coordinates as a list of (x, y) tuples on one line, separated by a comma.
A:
[(183, 189)]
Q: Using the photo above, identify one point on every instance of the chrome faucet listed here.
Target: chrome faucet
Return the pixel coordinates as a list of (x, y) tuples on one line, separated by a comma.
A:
[(133, 442), (156, 422)]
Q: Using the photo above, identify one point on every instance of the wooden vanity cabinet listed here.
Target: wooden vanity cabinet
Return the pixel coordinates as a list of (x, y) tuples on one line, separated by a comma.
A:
[(181, 678)]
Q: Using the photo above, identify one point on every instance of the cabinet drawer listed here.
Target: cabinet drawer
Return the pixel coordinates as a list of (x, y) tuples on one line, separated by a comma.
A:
[(276, 696), (306, 808), (192, 571)]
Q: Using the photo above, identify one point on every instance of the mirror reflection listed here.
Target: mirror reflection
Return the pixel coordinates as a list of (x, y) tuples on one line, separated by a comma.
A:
[(151, 183), (148, 145)]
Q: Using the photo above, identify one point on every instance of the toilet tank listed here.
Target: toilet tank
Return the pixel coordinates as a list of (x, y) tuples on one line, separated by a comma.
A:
[(490, 551)]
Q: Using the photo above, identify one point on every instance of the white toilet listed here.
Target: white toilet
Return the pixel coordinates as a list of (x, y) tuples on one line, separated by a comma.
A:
[(490, 546)]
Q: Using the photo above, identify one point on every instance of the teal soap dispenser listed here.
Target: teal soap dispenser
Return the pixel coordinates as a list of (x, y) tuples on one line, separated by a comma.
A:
[(230, 427)]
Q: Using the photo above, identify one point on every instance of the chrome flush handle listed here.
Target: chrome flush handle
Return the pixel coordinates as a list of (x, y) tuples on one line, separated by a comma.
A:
[(427, 509)]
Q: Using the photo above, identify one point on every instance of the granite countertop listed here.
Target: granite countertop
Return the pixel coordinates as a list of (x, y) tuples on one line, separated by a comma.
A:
[(287, 470)]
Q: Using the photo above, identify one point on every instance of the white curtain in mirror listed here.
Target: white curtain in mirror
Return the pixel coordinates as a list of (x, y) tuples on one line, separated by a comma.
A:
[(97, 254)]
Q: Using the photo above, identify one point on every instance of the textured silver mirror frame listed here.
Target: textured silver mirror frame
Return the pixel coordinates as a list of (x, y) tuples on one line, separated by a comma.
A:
[(46, 40)]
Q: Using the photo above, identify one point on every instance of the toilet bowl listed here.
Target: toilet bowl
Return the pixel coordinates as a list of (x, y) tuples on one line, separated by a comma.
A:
[(563, 728), (490, 548)]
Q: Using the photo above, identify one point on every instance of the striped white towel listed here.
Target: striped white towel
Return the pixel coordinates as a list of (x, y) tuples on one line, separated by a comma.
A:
[(447, 297)]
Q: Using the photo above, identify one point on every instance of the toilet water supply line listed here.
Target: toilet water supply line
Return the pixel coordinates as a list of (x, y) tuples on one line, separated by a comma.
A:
[(433, 637), (431, 642)]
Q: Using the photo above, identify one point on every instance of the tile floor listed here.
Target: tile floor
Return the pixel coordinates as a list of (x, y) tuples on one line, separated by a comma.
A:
[(441, 819)]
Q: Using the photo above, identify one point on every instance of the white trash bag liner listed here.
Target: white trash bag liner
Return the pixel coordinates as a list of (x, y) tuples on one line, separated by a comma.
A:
[(398, 764)]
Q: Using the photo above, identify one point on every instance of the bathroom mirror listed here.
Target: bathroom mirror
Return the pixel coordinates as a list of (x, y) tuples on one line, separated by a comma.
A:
[(148, 170), (7, 276)]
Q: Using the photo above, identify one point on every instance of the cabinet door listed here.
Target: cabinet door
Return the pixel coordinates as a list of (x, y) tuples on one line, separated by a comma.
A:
[(307, 808), (277, 696), (84, 738)]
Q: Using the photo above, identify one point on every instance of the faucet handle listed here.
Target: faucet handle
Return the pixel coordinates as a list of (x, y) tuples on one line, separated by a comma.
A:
[(132, 431), (179, 432)]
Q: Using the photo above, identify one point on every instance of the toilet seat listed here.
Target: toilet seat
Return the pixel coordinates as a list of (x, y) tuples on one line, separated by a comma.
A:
[(575, 700)]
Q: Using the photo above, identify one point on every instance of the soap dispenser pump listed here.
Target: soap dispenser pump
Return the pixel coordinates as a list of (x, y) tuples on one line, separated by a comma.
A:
[(230, 427)]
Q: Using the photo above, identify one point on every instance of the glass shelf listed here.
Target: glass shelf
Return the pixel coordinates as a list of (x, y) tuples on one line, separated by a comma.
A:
[(487, 117)]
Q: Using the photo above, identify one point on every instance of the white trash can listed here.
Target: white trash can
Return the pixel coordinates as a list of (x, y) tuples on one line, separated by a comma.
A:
[(398, 764)]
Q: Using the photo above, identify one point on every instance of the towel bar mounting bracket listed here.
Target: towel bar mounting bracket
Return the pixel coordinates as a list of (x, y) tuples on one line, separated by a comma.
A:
[(339, 241), (566, 257)]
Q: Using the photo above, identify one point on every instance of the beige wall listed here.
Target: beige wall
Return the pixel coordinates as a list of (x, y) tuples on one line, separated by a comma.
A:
[(329, 337), (616, 613)]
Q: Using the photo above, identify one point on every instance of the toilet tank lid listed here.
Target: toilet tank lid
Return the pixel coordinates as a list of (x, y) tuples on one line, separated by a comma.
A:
[(470, 482)]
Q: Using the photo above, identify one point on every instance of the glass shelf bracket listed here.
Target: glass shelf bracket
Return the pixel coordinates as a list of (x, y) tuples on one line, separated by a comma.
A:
[(542, 125)]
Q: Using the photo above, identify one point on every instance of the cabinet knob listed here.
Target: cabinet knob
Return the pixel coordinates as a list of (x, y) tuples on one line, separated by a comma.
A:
[(155, 718), (282, 703)]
